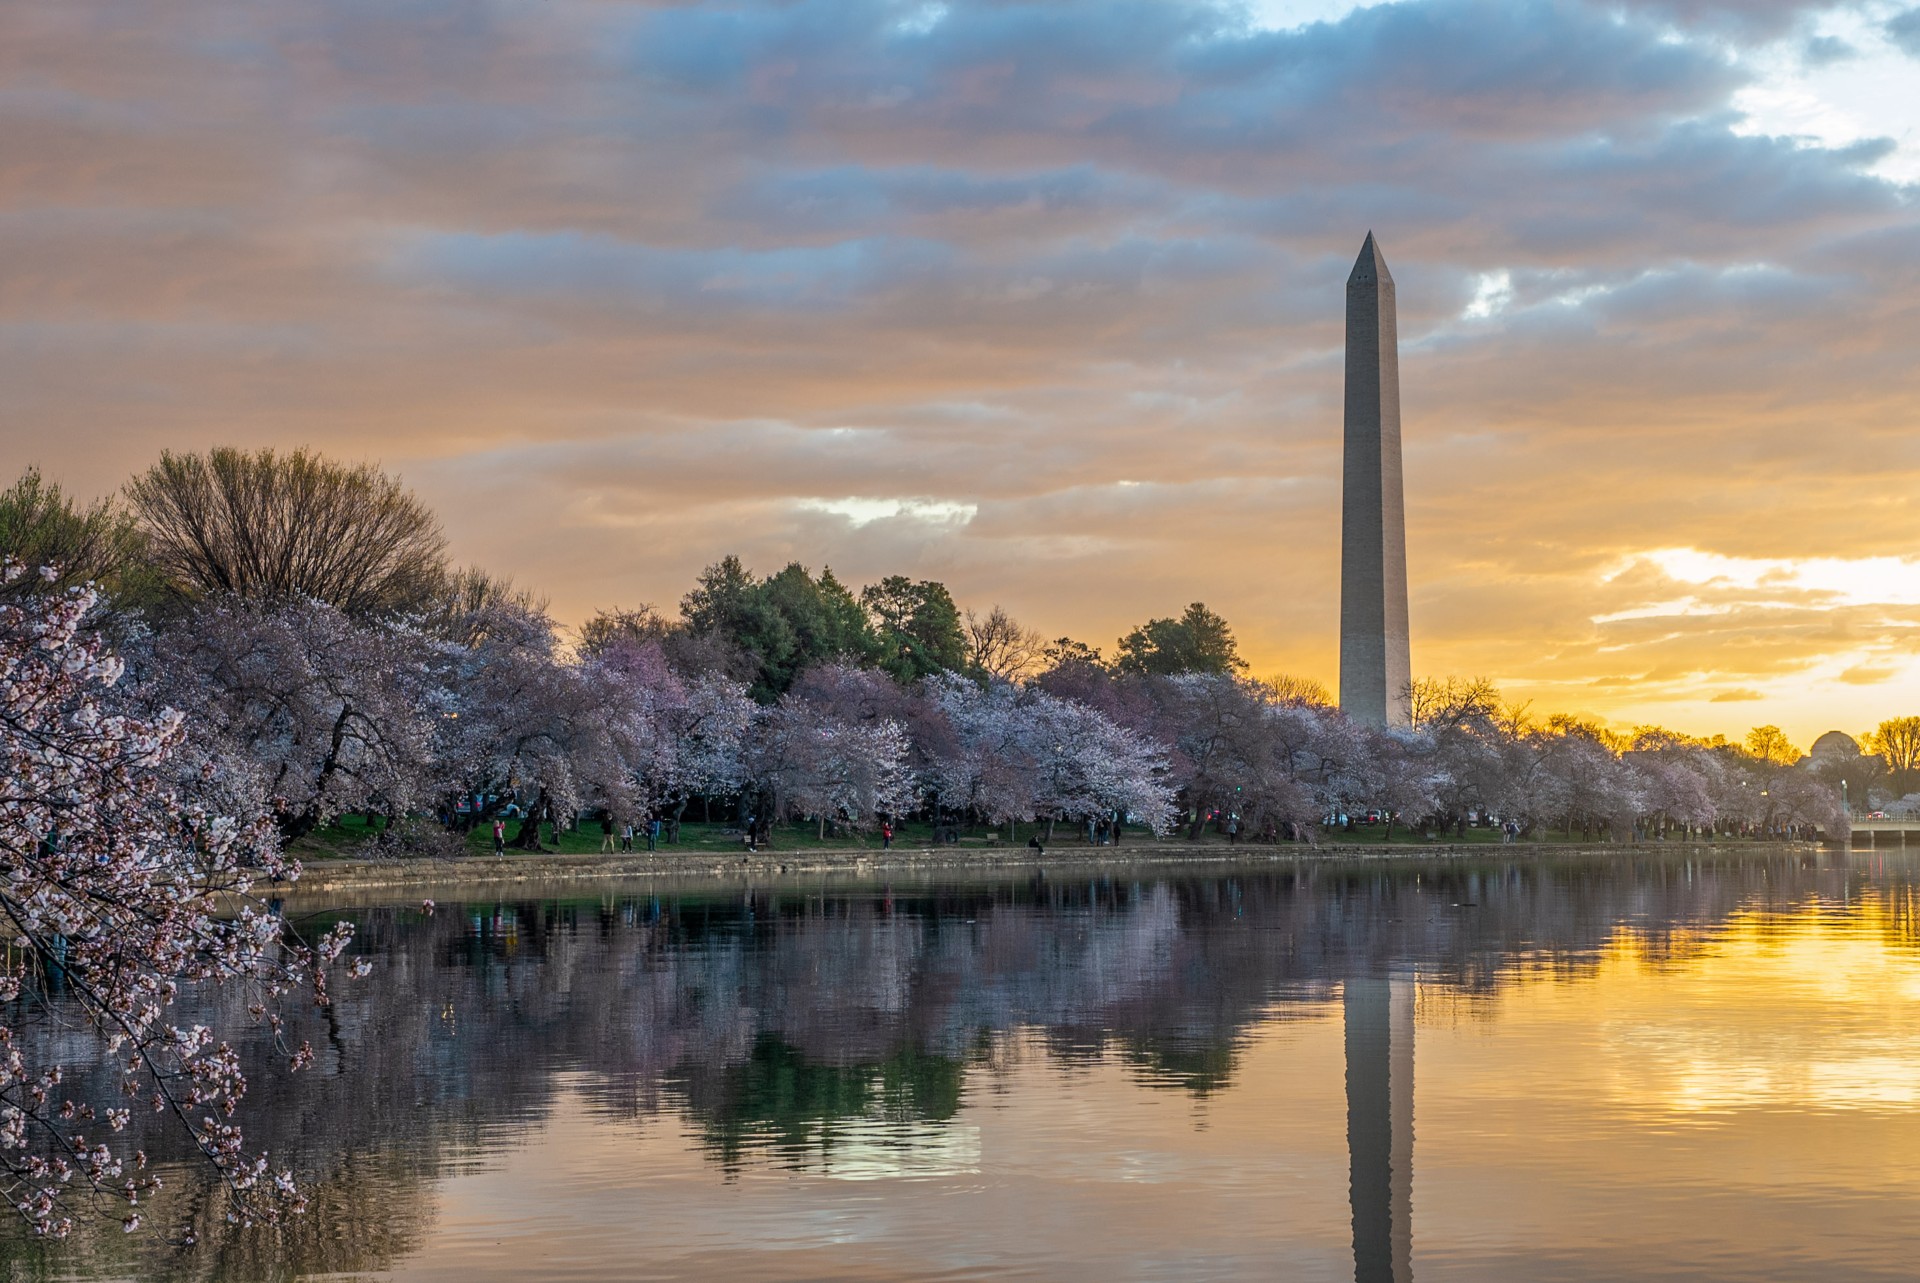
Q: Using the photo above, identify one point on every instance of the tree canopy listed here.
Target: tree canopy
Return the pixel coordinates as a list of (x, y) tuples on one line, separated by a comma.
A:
[(42, 526), (269, 526), (783, 624), (1199, 641), (917, 626)]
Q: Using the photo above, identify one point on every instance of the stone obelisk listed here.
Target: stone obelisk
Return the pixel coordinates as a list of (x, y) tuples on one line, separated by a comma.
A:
[(1375, 666)]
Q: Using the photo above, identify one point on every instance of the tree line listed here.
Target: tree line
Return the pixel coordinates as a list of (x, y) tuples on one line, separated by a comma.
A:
[(244, 646), (328, 658)]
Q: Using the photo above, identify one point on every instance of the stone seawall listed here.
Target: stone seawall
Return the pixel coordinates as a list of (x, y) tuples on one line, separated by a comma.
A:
[(397, 879)]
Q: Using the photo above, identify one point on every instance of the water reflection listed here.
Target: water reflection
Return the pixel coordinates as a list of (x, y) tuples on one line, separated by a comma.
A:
[(847, 1080), (1379, 1043)]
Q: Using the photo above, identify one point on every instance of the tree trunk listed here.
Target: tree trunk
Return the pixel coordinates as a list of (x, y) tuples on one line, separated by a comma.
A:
[(528, 838)]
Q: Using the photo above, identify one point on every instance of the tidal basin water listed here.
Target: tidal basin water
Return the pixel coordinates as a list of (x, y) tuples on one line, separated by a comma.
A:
[(1647, 1067)]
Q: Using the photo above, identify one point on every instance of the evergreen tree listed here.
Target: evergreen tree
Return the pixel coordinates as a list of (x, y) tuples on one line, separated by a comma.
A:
[(918, 627), (1197, 642), (786, 623)]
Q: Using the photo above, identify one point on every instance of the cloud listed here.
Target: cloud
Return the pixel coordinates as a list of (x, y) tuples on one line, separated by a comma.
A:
[(1739, 19), (1904, 30), (1041, 299), (1825, 51), (860, 512), (1741, 696)]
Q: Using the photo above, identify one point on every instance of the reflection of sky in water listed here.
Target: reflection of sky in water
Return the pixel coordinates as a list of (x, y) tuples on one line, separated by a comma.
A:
[(1658, 1069), (1737, 1104), (1805, 1008)]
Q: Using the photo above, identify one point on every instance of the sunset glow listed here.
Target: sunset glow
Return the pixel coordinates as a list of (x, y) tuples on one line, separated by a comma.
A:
[(1040, 300)]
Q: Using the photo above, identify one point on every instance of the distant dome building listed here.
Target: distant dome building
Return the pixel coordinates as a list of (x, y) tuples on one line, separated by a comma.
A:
[(1834, 746)]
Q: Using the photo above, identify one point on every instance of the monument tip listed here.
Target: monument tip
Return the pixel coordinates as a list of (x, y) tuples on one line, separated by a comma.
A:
[(1371, 266)]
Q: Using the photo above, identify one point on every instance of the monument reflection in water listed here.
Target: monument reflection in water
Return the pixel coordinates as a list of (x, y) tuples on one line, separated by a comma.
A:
[(1100, 1078), (1379, 1037)]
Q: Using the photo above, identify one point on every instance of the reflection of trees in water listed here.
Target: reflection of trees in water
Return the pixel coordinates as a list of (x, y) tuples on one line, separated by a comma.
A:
[(774, 1020), (780, 1101)]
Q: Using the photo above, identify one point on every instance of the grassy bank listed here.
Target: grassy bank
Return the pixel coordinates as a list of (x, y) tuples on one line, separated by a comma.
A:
[(349, 839)]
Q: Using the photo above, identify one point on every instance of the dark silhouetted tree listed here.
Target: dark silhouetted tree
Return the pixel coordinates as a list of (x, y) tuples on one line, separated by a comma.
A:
[(274, 527)]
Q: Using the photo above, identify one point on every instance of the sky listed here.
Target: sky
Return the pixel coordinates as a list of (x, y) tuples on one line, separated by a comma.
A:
[(1042, 300)]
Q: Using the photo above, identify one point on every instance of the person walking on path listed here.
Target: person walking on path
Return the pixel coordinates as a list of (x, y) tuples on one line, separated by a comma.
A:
[(606, 832), (499, 836), (626, 837), (653, 834), (886, 835)]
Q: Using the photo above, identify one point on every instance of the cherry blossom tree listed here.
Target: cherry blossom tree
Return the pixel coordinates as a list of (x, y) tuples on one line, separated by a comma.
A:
[(1328, 755), (1227, 759), (519, 724), (984, 764), (1086, 765), (806, 762), (128, 888), (327, 714), (1674, 789), (1596, 792), (1407, 781), (688, 734)]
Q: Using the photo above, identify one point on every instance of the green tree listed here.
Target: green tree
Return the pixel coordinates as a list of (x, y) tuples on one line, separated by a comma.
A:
[(41, 526), (786, 623), (1197, 642), (917, 626), (718, 601), (825, 618), (729, 604)]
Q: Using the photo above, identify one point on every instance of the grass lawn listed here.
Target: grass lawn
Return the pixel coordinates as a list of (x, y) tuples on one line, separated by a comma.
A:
[(343, 839)]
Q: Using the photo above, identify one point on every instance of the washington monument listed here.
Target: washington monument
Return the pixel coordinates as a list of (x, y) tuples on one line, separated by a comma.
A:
[(1375, 667)]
